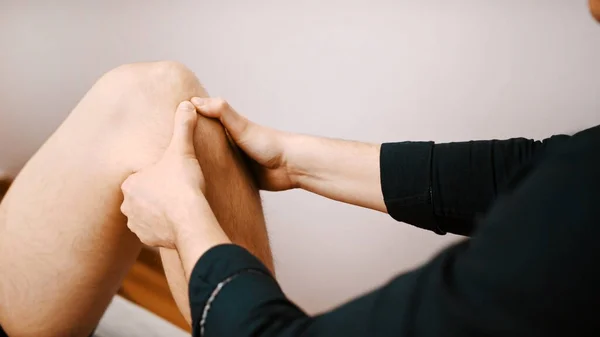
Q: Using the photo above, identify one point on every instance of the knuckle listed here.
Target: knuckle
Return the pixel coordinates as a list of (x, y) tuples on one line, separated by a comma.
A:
[(124, 210), (125, 185), (129, 184), (221, 104)]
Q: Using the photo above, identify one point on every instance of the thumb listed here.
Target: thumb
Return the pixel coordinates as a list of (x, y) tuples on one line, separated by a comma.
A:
[(237, 125), (186, 119)]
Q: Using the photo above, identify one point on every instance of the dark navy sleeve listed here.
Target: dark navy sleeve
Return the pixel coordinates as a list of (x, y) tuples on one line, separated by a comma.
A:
[(445, 187), (529, 270)]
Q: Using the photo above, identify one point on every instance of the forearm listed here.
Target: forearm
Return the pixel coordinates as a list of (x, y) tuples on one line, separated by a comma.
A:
[(460, 292), (438, 187), (193, 240), (341, 170)]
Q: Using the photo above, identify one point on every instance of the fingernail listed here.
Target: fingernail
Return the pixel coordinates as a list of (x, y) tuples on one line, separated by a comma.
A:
[(198, 101), (186, 105)]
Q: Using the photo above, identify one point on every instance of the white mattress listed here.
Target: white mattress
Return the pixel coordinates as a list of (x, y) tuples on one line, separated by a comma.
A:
[(126, 319)]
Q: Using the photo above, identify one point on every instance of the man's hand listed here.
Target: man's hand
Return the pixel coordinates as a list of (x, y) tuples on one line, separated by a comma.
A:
[(341, 170), (265, 146), (164, 203)]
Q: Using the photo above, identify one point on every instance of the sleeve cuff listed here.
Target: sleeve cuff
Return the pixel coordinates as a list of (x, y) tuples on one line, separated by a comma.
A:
[(216, 265), (406, 183)]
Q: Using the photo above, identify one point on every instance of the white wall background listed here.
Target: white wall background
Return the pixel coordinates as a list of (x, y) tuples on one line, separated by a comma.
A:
[(366, 70)]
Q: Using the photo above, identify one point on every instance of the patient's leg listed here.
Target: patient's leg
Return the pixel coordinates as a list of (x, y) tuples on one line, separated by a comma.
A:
[(4, 184), (64, 246)]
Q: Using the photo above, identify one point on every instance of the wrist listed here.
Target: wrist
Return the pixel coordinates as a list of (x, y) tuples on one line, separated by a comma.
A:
[(197, 232), (196, 222), (296, 161), (188, 211), (194, 243)]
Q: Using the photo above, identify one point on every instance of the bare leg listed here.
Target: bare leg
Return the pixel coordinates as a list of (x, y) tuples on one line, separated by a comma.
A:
[(234, 198), (5, 182), (64, 246)]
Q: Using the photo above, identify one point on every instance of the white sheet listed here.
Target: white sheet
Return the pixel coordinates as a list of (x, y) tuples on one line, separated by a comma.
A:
[(126, 319)]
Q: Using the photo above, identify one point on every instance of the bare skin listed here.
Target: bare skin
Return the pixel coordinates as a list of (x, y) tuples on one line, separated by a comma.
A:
[(341, 170), (5, 182), (595, 9), (64, 244), (156, 208)]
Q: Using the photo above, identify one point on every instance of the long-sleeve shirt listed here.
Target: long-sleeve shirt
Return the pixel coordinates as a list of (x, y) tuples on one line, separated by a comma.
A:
[(530, 268)]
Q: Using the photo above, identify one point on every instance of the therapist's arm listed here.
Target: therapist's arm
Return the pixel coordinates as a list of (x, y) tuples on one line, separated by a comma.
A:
[(440, 187), (446, 187), (530, 271)]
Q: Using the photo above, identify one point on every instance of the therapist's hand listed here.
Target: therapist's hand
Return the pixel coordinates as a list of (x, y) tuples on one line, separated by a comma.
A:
[(341, 170), (265, 146), (164, 203)]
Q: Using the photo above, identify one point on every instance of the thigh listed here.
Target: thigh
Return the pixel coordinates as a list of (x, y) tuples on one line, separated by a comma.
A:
[(64, 245)]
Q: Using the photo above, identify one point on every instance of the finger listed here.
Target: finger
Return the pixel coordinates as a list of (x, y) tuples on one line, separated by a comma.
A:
[(125, 188), (126, 185), (186, 118), (124, 209), (130, 226), (236, 124)]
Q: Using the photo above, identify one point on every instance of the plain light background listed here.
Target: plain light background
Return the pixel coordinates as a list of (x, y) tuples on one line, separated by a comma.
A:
[(367, 70)]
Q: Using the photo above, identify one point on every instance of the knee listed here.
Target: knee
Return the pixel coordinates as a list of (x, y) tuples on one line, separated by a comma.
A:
[(169, 71), (147, 88), (163, 77), (144, 94), (131, 107), (169, 82)]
